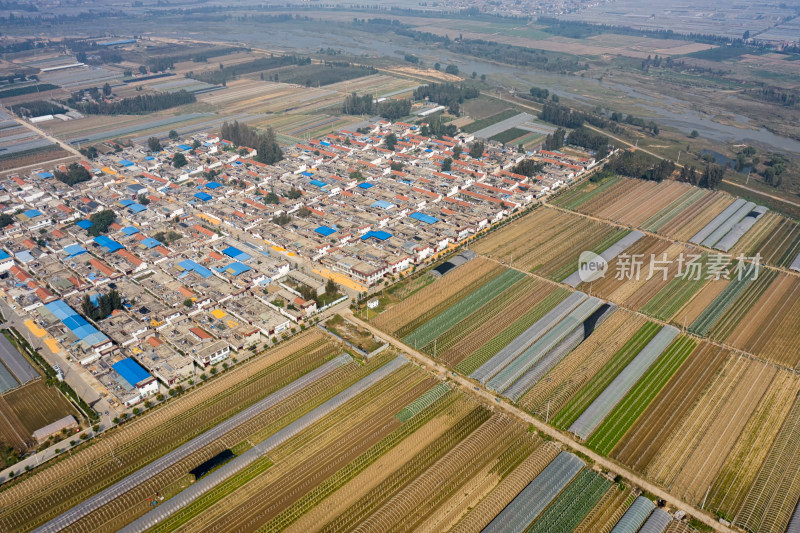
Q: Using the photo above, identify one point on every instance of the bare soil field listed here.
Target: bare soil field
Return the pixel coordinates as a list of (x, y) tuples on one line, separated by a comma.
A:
[(37, 405), (44, 158), (686, 225)]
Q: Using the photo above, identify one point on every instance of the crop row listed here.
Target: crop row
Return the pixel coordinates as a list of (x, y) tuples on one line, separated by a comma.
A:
[(636, 401), (774, 494), (432, 295), (480, 335), (549, 395), (743, 462), (358, 465), (607, 512), (568, 262), (355, 514), (726, 324), (574, 199), (703, 323), (581, 401), (449, 317), (488, 350), (482, 315), (155, 434), (657, 221), (674, 295), (573, 504), (505, 491)]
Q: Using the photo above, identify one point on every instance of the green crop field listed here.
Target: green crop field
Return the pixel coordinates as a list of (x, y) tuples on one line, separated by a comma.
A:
[(578, 404), (509, 135), (639, 397), (489, 121), (674, 295)]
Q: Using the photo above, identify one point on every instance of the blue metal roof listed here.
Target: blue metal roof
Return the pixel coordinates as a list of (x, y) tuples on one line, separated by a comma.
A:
[(131, 371), (189, 265), (383, 204), (108, 244), (317, 183), (235, 269), (203, 196), (213, 185), (24, 256), (125, 163), (125, 202), (325, 230), (32, 213), (136, 207), (380, 235), (184, 147), (150, 242), (76, 323), (307, 174), (130, 230), (422, 217), (149, 158), (3, 255), (235, 253), (365, 185), (74, 250), (85, 224), (46, 175)]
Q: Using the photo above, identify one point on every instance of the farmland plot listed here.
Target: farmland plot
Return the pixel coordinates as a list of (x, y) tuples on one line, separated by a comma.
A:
[(575, 198), (677, 206), (605, 515), (150, 436), (648, 434), (436, 296), (35, 405), (475, 338), (680, 445), (588, 394), (611, 199), (743, 462), (770, 327), (549, 395), (642, 202), (702, 466), (772, 498), (686, 225), (675, 294), (640, 396)]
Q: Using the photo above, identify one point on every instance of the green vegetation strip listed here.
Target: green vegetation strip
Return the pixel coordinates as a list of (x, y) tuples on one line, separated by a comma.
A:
[(636, 401), (482, 315), (564, 515), (441, 306), (584, 398), (419, 405), (212, 497), (573, 200), (742, 305), (462, 309), (359, 464), (657, 221), (675, 294), (509, 135), (489, 121), (490, 349)]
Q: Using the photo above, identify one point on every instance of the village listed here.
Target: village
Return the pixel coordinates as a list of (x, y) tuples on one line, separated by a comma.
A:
[(153, 275)]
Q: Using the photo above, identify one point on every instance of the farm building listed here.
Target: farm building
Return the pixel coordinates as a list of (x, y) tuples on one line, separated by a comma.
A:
[(81, 332), (44, 433), (136, 376)]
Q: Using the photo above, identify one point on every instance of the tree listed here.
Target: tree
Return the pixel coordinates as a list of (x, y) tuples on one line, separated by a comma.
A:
[(106, 90), (555, 140), (75, 174), (188, 302), (179, 160), (101, 222), (694, 134), (474, 75), (483, 77), (457, 149), (173, 135), (476, 149), (6, 220), (196, 144), (356, 175), (154, 144), (396, 165), (143, 199), (331, 288), (272, 198), (452, 69), (447, 165), (294, 193), (391, 141)]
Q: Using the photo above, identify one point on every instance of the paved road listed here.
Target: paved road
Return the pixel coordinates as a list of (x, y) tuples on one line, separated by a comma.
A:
[(44, 134), (474, 387)]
